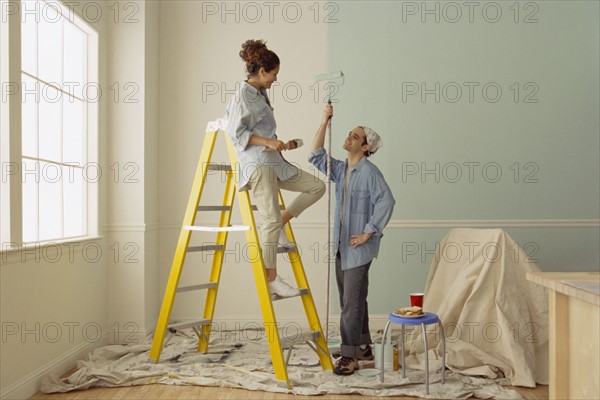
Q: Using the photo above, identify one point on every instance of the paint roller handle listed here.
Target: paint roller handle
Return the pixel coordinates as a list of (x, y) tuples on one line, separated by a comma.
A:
[(329, 105), (291, 145)]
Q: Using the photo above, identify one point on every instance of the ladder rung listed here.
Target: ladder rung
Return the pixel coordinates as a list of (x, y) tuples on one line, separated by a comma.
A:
[(287, 342), (183, 325), (227, 208), (274, 297), (281, 207), (214, 208), (219, 167), (205, 248), (197, 287), (233, 228)]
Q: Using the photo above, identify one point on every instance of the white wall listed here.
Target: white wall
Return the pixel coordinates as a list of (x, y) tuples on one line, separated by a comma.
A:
[(132, 151)]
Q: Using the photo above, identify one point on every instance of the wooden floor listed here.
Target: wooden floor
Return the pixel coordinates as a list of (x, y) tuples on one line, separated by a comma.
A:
[(216, 393)]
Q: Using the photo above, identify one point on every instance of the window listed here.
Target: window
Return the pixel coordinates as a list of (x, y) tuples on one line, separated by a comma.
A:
[(59, 123)]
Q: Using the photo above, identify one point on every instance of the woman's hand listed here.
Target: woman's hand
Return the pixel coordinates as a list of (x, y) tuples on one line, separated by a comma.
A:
[(357, 240), (276, 145)]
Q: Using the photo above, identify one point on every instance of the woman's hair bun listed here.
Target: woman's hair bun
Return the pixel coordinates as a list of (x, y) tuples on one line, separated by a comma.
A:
[(251, 49), (256, 55)]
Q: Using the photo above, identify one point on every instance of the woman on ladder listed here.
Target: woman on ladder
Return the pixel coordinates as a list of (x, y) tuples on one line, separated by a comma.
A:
[(262, 168)]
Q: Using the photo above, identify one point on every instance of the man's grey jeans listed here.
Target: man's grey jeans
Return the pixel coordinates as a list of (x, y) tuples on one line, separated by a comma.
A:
[(353, 286)]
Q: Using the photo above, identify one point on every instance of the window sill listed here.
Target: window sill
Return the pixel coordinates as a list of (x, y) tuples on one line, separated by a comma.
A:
[(48, 251)]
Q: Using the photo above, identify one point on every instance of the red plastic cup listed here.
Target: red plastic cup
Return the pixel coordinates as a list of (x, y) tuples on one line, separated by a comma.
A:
[(416, 299)]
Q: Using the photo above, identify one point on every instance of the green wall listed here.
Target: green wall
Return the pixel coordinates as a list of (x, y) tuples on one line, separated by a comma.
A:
[(528, 154)]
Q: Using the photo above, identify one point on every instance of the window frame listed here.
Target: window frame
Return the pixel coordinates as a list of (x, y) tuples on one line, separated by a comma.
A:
[(11, 198)]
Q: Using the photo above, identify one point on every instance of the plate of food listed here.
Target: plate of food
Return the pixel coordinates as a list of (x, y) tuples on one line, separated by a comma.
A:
[(410, 312)]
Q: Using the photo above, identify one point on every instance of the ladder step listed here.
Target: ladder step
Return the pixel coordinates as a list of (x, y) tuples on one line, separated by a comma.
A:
[(205, 248), (281, 250), (183, 325), (281, 207), (197, 287), (274, 297), (289, 341), (227, 208), (233, 228), (219, 167), (214, 208)]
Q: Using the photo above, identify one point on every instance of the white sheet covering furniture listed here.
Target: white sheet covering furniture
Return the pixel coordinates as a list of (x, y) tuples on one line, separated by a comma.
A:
[(496, 321)]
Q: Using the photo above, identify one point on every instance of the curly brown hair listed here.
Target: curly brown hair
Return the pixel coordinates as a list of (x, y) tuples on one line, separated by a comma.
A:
[(256, 56)]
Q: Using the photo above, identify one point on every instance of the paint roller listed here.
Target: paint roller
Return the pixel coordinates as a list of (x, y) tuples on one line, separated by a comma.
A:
[(330, 77)]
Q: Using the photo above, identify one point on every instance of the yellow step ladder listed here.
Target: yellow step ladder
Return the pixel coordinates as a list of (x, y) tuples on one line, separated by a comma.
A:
[(314, 337)]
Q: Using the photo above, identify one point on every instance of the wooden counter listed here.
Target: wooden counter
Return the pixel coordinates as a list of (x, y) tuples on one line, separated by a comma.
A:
[(574, 333)]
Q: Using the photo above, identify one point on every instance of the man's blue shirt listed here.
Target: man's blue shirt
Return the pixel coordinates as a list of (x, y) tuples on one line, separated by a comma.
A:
[(367, 207)]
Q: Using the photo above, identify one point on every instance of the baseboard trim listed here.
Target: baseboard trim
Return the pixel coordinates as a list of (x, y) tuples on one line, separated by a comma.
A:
[(30, 384)]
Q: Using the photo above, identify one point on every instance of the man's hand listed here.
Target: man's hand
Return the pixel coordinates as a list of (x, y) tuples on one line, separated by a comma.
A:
[(319, 140), (361, 238), (327, 113)]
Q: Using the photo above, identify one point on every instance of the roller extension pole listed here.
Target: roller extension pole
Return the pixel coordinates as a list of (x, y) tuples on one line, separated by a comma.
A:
[(319, 78), (329, 244)]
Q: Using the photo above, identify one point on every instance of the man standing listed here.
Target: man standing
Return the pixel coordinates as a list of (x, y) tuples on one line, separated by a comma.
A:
[(364, 205)]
